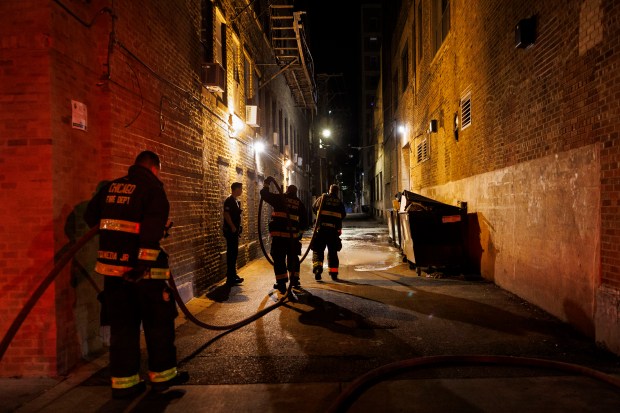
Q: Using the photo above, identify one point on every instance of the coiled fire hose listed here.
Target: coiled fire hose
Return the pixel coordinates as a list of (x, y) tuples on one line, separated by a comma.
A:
[(348, 396)]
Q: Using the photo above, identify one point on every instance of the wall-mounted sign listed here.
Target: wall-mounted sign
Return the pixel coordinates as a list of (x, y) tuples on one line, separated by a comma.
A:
[(79, 115)]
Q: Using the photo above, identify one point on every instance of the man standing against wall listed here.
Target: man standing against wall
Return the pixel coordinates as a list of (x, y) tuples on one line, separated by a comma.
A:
[(232, 232), (330, 217)]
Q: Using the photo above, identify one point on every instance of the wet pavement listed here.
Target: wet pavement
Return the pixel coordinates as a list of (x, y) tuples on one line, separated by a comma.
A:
[(302, 355)]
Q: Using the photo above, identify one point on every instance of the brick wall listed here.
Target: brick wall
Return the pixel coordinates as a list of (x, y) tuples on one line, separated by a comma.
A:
[(145, 94), (538, 165)]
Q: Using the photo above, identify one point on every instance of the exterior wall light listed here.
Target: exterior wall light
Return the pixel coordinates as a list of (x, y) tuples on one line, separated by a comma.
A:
[(259, 146)]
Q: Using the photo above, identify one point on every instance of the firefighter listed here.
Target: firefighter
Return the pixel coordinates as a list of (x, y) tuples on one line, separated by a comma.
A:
[(332, 212), (132, 213), (288, 220)]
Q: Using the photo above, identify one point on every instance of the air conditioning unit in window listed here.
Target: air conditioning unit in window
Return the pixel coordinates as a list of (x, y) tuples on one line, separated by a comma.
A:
[(214, 77), (251, 115)]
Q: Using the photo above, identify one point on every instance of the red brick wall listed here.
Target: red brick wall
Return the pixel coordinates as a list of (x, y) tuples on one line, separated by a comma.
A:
[(27, 248), (539, 164), (146, 94)]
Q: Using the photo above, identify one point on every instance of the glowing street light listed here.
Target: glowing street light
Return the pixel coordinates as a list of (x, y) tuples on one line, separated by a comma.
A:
[(326, 133)]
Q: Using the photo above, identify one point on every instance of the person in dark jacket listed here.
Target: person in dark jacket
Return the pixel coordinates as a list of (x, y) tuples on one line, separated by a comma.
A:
[(132, 213), (288, 221), (232, 232), (332, 212)]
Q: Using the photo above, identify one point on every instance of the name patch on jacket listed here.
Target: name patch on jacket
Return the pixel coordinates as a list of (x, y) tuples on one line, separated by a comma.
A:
[(120, 188)]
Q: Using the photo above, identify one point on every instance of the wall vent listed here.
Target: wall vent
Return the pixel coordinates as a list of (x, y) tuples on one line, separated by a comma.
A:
[(422, 151), (466, 111)]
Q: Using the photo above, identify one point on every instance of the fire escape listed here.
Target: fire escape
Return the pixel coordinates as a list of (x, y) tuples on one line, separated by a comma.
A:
[(292, 54)]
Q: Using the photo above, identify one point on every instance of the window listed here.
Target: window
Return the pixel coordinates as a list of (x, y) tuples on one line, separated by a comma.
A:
[(247, 81), (466, 111), (236, 58), (440, 24), (404, 68), (219, 34)]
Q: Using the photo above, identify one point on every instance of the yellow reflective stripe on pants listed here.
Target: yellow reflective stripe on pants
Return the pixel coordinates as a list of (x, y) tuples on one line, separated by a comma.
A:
[(148, 254), (125, 382), (158, 377), (120, 225), (327, 224), (282, 276)]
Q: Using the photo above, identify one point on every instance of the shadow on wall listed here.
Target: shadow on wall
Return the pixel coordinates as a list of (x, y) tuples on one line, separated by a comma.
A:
[(84, 280), (480, 249)]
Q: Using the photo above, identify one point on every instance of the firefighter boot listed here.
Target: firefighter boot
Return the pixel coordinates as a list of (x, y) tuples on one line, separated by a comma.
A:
[(129, 392), (280, 286), (317, 270), (180, 378), (295, 282), (334, 275)]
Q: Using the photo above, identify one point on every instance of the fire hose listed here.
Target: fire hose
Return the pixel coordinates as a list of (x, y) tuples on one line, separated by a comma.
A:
[(65, 258), (348, 396)]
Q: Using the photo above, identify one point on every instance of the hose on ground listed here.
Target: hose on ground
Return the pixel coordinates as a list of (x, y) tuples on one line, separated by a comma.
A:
[(349, 395)]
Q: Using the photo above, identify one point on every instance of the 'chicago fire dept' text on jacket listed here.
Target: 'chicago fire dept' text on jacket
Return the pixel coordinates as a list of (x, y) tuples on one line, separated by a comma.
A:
[(132, 213), (332, 212), (288, 218)]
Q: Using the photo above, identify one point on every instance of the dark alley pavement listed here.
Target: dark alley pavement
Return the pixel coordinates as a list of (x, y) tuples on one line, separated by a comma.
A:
[(302, 355)]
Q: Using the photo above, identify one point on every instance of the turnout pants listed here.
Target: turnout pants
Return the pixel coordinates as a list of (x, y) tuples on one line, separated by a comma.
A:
[(126, 305), (331, 240), (285, 254)]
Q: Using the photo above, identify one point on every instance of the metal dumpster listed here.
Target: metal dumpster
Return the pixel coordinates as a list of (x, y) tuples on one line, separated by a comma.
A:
[(432, 232), (391, 223)]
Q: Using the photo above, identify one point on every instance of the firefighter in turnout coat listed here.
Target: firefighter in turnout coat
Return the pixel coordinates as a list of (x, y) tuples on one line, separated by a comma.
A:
[(132, 213), (288, 220), (330, 217)]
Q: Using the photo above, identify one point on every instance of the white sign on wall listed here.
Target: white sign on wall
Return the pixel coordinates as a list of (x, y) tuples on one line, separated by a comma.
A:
[(79, 115)]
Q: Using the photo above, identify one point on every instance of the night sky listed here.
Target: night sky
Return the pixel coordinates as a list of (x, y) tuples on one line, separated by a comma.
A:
[(332, 28)]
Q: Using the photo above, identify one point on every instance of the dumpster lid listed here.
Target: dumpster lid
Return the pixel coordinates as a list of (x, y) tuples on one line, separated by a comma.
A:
[(409, 197)]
